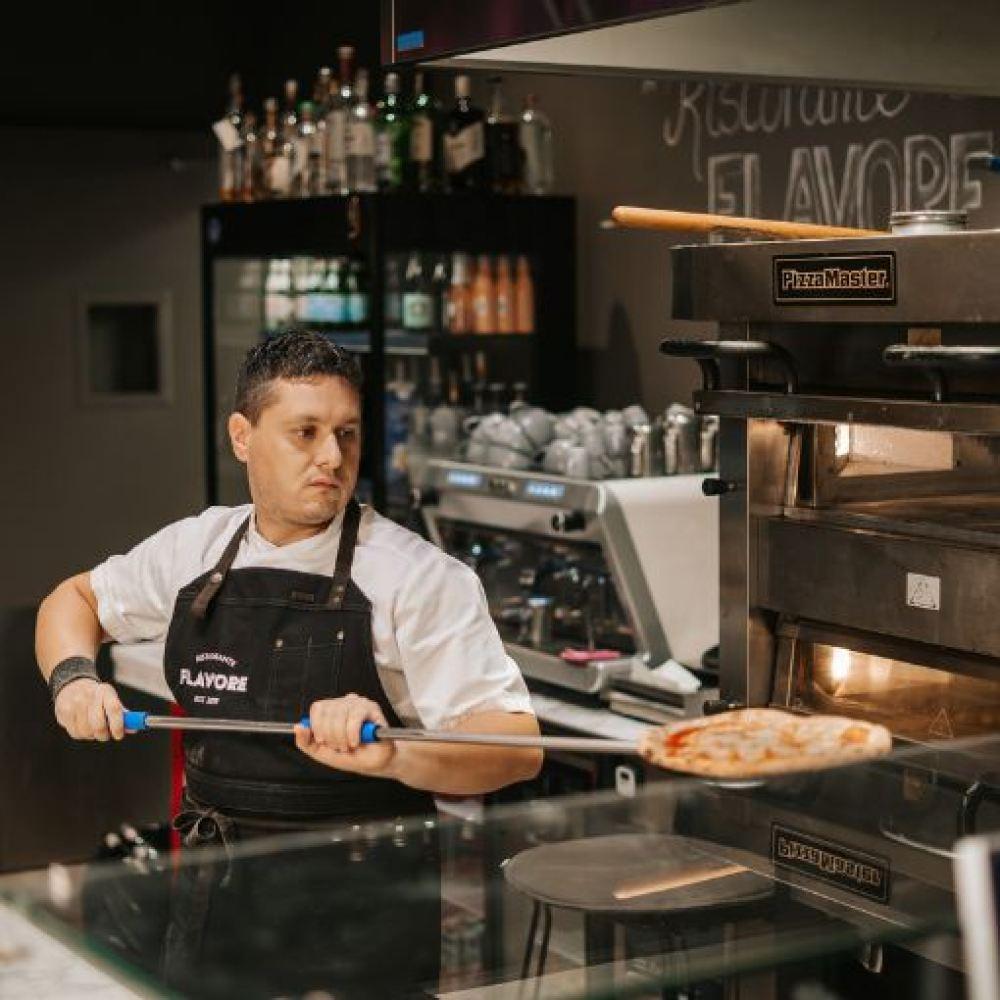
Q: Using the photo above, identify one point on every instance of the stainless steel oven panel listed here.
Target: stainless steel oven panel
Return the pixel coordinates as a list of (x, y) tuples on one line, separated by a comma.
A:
[(947, 278), (890, 585), (753, 456), (961, 418)]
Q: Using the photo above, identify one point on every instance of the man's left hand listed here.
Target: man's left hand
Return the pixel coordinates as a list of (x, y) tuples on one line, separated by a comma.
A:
[(334, 736)]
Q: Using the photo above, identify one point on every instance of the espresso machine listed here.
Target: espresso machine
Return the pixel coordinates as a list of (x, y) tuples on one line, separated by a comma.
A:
[(591, 583)]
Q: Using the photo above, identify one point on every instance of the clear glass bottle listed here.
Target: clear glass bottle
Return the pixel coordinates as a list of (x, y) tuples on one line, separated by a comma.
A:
[(336, 293), (504, 297), (439, 294), (465, 141), (278, 302), (392, 137), (276, 153), (392, 308), (359, 142), (422, 167), (459, 309), (503, 148), (321, 107), (524, 297), (309, 152), (538, 145), (484, 298), (418, 298), (357, 293), (290, 132), (341, 99), (253, 174), (229, 131)]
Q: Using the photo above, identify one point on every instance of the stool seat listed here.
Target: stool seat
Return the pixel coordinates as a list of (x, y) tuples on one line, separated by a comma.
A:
[(638, 873)]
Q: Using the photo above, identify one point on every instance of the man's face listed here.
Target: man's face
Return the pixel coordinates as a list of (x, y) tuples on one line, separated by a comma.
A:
[(302, 455)]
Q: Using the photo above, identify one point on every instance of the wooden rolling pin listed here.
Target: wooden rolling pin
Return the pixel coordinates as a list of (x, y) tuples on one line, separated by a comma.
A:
[(632, 217)]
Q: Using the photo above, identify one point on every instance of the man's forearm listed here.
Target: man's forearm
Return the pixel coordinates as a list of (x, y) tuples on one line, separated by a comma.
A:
[(67, 624), (463, 769)]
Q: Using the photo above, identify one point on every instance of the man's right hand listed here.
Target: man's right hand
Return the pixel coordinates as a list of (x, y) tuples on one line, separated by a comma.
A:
[(88, 710)]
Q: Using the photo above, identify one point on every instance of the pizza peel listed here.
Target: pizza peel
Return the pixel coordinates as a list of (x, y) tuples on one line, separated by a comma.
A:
[(645, 747)]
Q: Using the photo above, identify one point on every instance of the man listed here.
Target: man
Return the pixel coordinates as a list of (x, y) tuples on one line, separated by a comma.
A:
[(300, 603)]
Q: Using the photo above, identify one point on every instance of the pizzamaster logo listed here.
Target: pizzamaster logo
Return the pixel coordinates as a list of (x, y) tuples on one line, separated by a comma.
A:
[(827, 862), (835, 279)]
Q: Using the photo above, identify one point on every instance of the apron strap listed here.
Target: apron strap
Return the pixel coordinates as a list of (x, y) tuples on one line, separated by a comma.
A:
[(345, 554), (200, 605)]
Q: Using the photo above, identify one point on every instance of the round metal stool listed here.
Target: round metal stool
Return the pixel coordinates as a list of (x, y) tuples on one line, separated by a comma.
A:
[(625, 877)]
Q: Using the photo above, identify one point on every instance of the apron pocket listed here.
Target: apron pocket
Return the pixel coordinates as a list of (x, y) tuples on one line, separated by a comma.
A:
[(300, 674)]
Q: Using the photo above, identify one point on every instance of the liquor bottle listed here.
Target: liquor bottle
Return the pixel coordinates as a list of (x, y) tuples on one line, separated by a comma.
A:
[(300, 287), (321, 108), (422, 167), (439, 294), (524, 298), (464, 141), (503, 149), (276, 153), (393, 298), (290, 132), (341, 99), (336, 293), (418, 301), (537, 145), (359, 140), (392, 136), (398, 406), (484, 298), (309, 152), (357, 293), (459, 308), (278, 302), (253, 173), (310, 292), (228, 130), (505, 297)]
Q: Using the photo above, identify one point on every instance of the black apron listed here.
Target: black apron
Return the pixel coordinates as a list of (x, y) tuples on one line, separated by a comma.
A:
[(264, 644)]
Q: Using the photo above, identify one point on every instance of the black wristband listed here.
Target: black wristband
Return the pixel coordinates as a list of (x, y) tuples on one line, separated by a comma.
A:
[(73, 668)]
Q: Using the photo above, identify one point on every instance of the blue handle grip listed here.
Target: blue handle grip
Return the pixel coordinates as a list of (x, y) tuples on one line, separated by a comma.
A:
[(135, 722), (369, 733), (304, 722)]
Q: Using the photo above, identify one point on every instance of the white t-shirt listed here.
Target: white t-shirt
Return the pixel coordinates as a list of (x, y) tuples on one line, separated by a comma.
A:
[(437, 651)]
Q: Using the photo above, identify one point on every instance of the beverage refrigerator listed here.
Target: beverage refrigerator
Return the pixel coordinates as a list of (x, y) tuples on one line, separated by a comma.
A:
[(417, 285)]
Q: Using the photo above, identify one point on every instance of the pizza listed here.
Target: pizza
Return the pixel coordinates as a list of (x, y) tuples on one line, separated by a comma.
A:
[(752, 742)]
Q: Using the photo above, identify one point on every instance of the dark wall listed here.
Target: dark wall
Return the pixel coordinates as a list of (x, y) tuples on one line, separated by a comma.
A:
[(159, 65)]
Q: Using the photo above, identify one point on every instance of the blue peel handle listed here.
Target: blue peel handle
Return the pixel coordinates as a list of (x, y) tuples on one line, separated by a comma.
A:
[(135, 722), (369, 733), (305, 723)]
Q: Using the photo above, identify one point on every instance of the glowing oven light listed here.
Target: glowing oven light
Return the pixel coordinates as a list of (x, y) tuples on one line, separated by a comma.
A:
[(842, 440), (840, 664)]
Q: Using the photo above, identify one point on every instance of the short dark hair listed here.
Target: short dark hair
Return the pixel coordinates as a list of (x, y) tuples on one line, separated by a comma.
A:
[(295, 354)]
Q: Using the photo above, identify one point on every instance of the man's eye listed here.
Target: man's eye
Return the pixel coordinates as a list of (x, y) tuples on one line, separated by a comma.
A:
[(306, 433), (347, 433)]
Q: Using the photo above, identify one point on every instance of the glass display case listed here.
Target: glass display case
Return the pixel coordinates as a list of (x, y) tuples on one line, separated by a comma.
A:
[(837, 882), (465, 301)]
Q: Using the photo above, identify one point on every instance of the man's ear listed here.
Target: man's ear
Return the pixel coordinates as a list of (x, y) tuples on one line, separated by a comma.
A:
[(239, 436)]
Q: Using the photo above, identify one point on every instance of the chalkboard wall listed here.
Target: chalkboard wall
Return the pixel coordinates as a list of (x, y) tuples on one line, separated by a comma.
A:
[(817, 154)]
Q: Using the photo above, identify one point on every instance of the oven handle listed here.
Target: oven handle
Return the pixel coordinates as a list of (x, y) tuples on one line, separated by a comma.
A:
[(917, 845), (935, 359), (983, 789), (708, 354)]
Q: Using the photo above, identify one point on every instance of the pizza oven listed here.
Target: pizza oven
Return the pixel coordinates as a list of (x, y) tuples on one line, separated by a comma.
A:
[(857, 382)]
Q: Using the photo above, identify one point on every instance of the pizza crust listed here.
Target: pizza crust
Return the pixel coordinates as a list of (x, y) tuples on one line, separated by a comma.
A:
[(753, 742)]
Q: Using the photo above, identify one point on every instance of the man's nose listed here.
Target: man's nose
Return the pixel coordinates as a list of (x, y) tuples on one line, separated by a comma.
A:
[(329, 455)]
